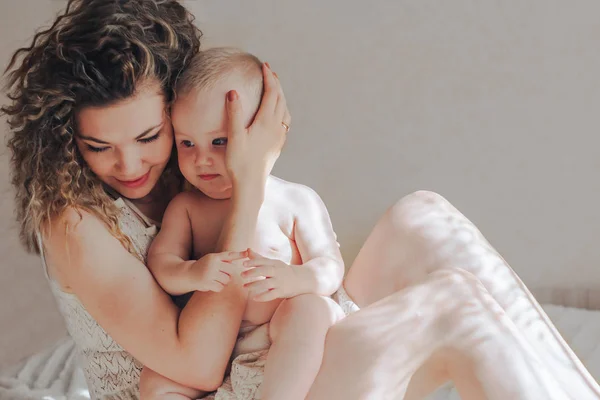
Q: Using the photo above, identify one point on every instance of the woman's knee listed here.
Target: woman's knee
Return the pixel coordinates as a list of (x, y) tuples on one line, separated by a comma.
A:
[(461, 296), (306, 311), (420, 198), (411, 211)]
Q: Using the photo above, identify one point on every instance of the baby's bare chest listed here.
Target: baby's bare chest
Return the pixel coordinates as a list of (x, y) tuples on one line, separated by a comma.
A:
[(274, 235)]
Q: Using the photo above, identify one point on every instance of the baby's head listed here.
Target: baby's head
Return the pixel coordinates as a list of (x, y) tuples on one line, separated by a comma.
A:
[(199, 114)]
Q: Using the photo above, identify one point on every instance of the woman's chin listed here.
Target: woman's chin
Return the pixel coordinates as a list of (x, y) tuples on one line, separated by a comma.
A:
[(134, 193)]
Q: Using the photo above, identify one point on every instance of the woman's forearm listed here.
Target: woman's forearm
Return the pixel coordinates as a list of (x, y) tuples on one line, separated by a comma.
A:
[(208, 327), (239, 228), (214, 318)]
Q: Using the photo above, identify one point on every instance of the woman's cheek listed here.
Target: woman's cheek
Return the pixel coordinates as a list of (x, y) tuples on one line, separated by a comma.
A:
[(163, 150), (99, 165)]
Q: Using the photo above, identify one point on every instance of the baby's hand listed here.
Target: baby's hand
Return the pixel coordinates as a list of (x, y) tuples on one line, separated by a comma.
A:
[(268, 279), (215, 270)]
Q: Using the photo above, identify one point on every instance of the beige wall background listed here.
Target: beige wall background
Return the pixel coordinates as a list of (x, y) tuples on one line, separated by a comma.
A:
[(493, 104)]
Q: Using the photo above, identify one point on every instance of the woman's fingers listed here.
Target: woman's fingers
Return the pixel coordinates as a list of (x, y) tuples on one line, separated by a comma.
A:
[(281, 107), (270, 96), (235, 117), (287, 117)]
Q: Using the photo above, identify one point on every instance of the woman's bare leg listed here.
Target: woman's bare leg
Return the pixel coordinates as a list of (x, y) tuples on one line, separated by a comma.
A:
[(422, 233), (446, 327)]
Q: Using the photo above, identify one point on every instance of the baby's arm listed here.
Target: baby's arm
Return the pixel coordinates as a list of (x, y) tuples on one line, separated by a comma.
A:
[(323, 267), (169, 255)]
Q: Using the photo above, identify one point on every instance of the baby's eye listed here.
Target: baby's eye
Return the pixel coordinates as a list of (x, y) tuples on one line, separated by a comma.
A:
[(187, 143), (219, 142)]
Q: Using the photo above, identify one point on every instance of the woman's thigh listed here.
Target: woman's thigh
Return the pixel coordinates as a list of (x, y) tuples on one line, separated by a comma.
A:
[(423, 233), (445, 327)]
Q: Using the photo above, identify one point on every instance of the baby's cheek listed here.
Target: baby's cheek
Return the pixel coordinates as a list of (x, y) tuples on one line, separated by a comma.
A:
[(186, 164), (183, 158)]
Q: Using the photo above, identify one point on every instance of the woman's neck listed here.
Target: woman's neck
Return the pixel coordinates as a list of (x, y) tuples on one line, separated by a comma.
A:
[(154, 204)]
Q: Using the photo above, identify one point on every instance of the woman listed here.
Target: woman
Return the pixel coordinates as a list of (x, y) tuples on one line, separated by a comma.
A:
[(92, 142)]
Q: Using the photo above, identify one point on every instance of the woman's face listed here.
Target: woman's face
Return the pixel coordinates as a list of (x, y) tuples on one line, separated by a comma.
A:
[(127, 144)]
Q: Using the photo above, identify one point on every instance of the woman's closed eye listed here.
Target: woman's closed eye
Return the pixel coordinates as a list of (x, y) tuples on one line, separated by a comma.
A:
[(101, 149), (149, 139), (96, 149)]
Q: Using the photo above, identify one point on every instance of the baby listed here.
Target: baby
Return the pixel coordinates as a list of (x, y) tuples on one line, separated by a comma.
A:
[(295, 256)]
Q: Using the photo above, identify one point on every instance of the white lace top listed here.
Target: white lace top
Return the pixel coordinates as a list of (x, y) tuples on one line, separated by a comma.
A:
[(111, 373)]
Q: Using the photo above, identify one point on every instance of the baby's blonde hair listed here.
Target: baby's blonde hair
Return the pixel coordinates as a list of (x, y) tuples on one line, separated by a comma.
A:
[(210, 66)]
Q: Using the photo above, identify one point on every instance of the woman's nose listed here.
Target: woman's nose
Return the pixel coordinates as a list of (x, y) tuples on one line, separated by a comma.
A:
[(130, 163)]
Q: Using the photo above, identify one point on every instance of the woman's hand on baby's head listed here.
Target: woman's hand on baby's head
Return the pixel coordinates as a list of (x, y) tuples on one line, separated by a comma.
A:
[(252, 152), (215, 270)]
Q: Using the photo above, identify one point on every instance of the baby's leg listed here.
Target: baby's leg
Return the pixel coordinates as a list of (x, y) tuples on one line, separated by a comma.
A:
[(156, 387), (297, 329)]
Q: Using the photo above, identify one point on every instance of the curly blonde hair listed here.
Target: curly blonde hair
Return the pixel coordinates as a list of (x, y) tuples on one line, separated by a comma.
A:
[(96, 53)]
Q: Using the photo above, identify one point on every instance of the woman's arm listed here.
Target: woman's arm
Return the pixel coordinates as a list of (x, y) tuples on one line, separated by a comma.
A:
[(122, 296)]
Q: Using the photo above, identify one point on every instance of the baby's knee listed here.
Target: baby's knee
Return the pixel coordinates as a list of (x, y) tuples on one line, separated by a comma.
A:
[(154, 386), (305, 312), (312, 306)]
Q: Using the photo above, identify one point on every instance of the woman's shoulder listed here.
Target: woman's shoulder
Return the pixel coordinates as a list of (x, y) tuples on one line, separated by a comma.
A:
[(70, 242), (72, 220), (72, 233)]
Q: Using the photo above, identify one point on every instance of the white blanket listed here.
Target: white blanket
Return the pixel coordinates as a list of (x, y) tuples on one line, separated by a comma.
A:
[(54, 374)]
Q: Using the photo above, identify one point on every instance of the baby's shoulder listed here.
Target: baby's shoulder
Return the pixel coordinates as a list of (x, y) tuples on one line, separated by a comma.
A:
[(290, 192), (190, 200)]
